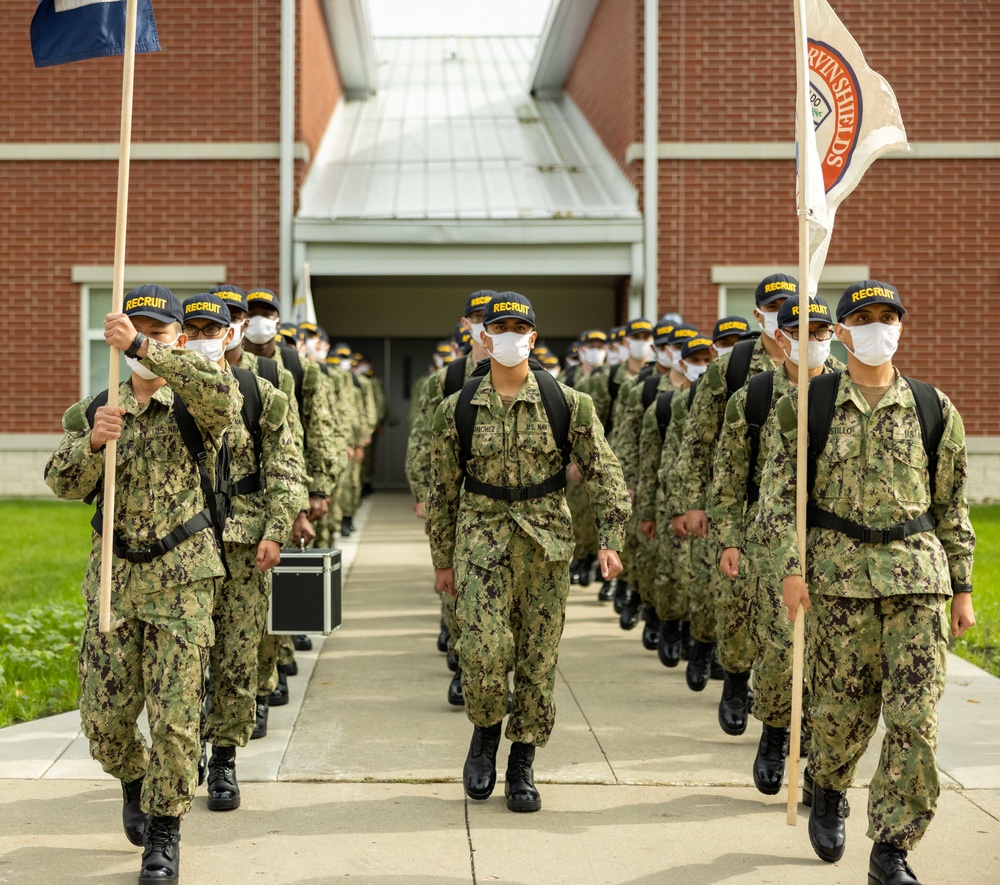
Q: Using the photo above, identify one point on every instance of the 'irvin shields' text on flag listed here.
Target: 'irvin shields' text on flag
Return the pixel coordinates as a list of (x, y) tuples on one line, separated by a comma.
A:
[(72, 30), (855, 119)]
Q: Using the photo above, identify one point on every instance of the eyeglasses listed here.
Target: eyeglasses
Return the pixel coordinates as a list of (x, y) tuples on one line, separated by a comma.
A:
[(212, 330), (818, 335)]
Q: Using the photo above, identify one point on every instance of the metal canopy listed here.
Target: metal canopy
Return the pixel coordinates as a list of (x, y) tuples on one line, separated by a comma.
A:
[(453, 137)]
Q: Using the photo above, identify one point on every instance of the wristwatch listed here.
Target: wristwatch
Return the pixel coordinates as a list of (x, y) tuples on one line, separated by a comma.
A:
[(137, 342)]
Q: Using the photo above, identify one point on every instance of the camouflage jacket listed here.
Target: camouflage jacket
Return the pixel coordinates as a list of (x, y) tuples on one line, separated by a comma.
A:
[(321, 450), (517, 448), (872, 471), (286, 384), (418, 449), (157, 487), (667, 479), (344, 412), (266, 514), (597, 385), (650, 454), (627, 428)]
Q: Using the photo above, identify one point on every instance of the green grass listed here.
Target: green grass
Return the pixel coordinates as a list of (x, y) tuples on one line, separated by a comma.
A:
[(44, 547), (981, 644)]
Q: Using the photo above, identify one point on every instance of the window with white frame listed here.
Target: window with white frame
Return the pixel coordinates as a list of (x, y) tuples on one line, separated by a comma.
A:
[(96, 290), (737, 285)]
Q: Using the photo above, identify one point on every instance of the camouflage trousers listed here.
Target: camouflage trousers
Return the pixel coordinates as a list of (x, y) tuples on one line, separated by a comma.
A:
[(584, 521), (450, 619), (703, 589), (872, 656), (240, 616), (511, 616), (328, 527), (733, 603), (629, 551), (644, 565), (267, 663), (671, 568), (139, 664), (368, 464), (349, 489)]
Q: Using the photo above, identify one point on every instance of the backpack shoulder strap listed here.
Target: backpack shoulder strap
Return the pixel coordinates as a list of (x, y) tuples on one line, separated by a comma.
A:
[(760, 392), (649, 385), (465, 420), (822, 402), (554, 403), (739, 366), (251, 411), (691, 392), (663, 412), (931, 417), (100, 400), (268, 370), (290, 357), (454, 375)]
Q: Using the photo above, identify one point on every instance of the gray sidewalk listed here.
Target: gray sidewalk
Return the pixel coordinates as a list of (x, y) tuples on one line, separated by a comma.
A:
[(359, 777)]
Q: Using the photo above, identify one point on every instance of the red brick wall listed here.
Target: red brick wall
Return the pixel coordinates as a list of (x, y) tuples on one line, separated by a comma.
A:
[(217, 79)]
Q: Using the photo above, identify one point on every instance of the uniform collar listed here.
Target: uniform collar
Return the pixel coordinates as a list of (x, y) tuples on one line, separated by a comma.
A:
[(487, 394), (899, 392)]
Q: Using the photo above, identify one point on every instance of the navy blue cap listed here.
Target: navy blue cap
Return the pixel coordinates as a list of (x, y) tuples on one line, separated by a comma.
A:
[(661, 332), (265, 297), (638, 325), (819, 312), (478, 301), (153, 301), (234, 296), (680, 334), (733, 325), (207, 306), (868, 292), (693, 345), (509, 304), (775, 286), (288, 330), (593, 336)]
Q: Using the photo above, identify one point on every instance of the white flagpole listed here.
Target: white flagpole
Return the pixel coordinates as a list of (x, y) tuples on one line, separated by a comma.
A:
[(117, 297), (804, 119)]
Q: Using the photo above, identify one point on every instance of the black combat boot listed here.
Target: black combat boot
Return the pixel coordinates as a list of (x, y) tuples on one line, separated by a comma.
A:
[(631, 612), (346, 526), (260, 725), (827, 831), (133, 817), (279, 697), (452, 661), (888, 866), (161, 850), (805, 739), (734, 703), (716, 669), (587, 570), (574, 570), (291, 668), (443, 638), (807, 787), (519, 781), (769, 764), (202, 760), (301, 643), (455, 695), (622, 594), (699, 666), (480, 773), (223, 790), (669, 648), (607, 591), (651, 632), (687, 640)]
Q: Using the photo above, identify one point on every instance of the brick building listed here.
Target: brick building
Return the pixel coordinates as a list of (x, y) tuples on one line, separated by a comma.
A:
[(407, 171)]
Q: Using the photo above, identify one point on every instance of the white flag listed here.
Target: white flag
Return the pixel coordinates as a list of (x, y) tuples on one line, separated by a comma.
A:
[(855, 119), (303, 310)]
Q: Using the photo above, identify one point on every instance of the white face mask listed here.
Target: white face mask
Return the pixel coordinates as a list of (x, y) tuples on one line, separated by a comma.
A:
[(261, 329), (554, 371), (346, 364), (614, 355), (438, 360), (770, 324), (721, 350), (593, 356), (641, 351), (693, 372), (140, 369), (476, 329), (322, 349), (675, 358), (210, 348), (510, 349), (237, 336), (818, 352), (875, 343), (665, 358)]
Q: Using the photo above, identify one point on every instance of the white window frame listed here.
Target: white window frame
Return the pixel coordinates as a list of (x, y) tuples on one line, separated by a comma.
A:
[(90, 277)]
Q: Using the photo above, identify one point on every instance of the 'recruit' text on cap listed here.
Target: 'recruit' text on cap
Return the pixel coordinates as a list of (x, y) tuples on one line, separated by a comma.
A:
[(726, 326), (868, 292), (478, 301), (234, 296), (773, 287), (265, 297), (693, 345), (633, 327), (207, 306), (819, 312), (509, 304), (154, 301)]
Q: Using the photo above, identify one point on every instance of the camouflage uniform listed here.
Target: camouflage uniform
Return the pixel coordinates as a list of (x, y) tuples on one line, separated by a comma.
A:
[(511, 560), (584, 526), (349, 493), (378, 393), (240, 612), (877, 631), (161, 612), (711, 594)]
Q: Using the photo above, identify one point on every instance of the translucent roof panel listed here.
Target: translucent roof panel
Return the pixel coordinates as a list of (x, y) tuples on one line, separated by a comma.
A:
[(454, 134)]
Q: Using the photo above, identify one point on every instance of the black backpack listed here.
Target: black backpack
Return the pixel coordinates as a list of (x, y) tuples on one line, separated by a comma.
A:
[(739, 365), (663, 412), (760, 392), (290, 358), (649, 385), (557, 411), (454, 375)]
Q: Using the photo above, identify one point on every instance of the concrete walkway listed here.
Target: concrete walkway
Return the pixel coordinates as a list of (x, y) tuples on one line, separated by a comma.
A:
[(358, 779)]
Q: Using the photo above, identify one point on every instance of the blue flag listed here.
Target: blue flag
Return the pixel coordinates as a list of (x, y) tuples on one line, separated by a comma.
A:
[(72, 30)]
